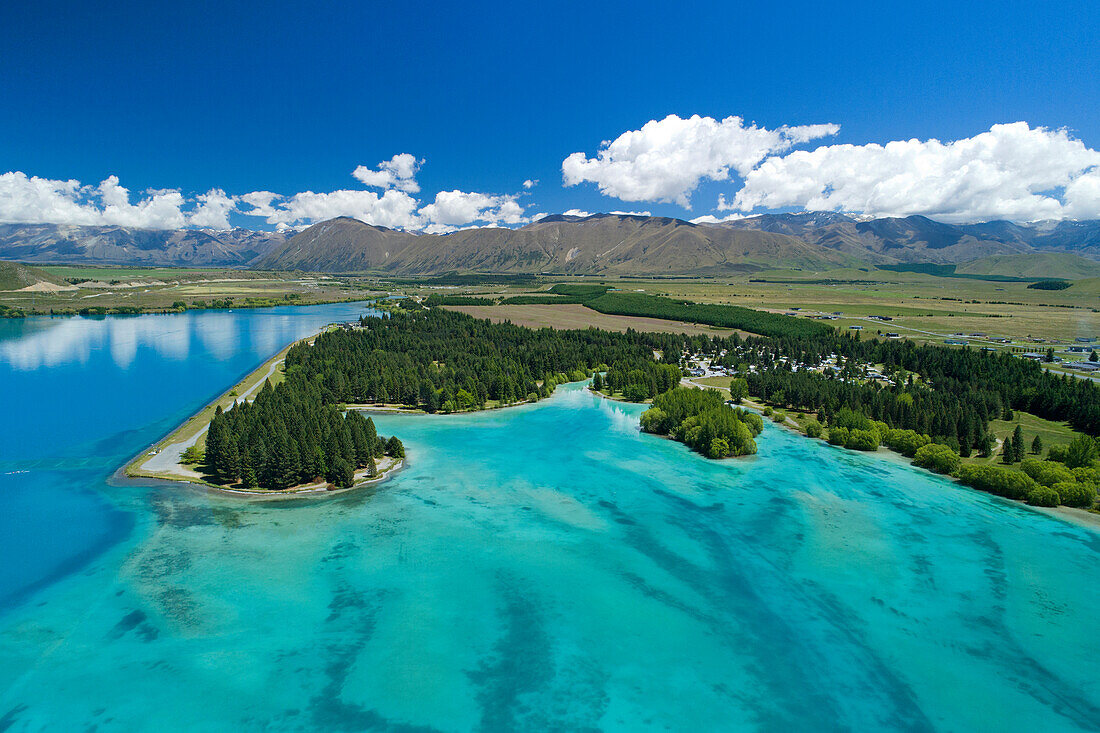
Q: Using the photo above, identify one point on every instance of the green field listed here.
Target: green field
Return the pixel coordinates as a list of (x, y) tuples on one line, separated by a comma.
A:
[(134, 289)]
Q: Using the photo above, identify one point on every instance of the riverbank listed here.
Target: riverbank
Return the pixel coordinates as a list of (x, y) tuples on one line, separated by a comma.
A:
[(164, 459), (126, 310), (1072, 515)]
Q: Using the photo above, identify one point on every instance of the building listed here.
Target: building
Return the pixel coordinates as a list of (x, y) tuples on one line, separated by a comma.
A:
[(954, 342), (855, 328), (1084, 366)]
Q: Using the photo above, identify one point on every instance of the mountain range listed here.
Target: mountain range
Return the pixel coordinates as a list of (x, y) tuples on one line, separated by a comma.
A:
[(612, 244)]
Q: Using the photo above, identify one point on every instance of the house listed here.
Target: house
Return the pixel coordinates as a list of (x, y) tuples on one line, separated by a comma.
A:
[(1079, 349), (1083, 340), (855, 328), (954, 342), (1033, 356), (893, 335), (1084, 366)]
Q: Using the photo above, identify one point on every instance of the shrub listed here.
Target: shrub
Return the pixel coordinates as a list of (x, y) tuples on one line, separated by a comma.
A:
[(906, 442), (1090, 476), (1081, 452), (996, 480), (847, 418), (193, 454), (813, 429), (1046, 473), (1057, 453), (1072, 493), (838, 436), (778, 416), (768, 411), (1042, 496), (938, 458), (655, 420), (719, 448), (862, 440)]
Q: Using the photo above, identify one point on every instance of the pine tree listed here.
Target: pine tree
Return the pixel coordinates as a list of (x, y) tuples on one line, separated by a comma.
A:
[(228, 463), (248, 475), (1037, 446), (1018, 447)]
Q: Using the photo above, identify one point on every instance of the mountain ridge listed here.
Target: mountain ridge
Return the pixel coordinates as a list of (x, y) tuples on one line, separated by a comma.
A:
[(611, 244)]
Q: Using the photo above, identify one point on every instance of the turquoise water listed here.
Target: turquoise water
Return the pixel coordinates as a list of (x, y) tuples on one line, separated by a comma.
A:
[(545, 567)]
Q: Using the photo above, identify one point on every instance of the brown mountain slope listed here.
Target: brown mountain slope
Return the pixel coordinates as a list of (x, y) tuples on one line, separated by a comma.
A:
[(603, 243)]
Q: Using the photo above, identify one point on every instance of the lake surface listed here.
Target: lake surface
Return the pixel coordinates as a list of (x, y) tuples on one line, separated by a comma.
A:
[(545, 567)]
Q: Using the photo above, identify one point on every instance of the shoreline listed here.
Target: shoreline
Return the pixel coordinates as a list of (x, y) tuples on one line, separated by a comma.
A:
[(1070, 515), (165, 454), (166, 311)]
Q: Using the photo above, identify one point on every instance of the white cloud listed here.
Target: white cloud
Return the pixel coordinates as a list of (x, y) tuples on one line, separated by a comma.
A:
[(213, 210), (1013, 172), (38, 200), (631, 213), (453, 209), (395, 209), (711, 219), (1082, 197), (398, 172), (529, 184), (160, 210), (667, 159), (577, 212), (31, 199)]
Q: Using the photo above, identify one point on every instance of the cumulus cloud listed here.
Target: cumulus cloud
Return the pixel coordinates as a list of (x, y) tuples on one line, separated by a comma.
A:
[(667, 159), (1013, 172), (577, 212), (529, 184), (452, 209), (398, 172), (213, 210), (631, 213), (30, 199), (395, 209), (712, 219)]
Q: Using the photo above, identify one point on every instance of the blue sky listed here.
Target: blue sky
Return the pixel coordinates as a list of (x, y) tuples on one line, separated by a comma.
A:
[(287, 98)]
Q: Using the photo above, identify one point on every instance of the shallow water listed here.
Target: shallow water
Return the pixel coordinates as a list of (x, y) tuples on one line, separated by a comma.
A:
[(549, 567)]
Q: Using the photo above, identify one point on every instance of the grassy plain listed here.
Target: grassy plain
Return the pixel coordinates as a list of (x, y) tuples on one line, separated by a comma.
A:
[(153, 289), (577, 316), (922, 307)]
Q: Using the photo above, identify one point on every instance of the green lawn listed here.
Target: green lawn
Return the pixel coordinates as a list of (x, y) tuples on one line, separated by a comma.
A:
[(1052, 433)]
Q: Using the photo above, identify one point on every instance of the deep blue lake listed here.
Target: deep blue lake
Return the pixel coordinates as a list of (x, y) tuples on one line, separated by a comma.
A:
[(545, 567)]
